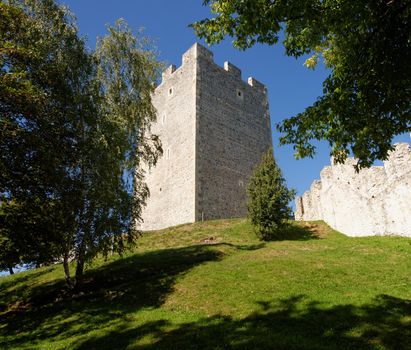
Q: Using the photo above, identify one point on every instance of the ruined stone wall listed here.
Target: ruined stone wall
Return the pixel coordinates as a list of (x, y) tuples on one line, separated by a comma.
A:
[(233, 132), (375, 201), (214, 128)]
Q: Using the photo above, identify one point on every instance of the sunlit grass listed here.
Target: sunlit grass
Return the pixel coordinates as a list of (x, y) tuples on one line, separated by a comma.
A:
[(213, 285)]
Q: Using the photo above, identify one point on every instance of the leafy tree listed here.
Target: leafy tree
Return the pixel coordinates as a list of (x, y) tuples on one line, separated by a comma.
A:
[(74, 132), (28, 234), (44, 69), (9, 253), (268, 199), (365, 43), (116, 143)]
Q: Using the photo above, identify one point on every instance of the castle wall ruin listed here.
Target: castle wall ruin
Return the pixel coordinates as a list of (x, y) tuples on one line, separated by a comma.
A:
[(375, 201)]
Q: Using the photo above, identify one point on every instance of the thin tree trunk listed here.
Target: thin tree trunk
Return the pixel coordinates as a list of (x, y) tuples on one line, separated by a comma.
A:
[(80, 265), (79, 272), (11, 270), (67, 270), (81, 252)]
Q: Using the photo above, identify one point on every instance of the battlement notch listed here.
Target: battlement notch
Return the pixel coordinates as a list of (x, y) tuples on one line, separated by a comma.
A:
[(231, 68), (255, 83), (168, 71)]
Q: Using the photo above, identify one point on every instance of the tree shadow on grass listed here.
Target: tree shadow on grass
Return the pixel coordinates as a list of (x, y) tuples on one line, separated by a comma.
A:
[(296, 232), (111, 291), (21, 278), (13, 288), (245, 247), (292, 324)]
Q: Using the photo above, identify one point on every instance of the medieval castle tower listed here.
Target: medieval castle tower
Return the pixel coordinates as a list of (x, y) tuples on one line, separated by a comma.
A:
[(214, 128)]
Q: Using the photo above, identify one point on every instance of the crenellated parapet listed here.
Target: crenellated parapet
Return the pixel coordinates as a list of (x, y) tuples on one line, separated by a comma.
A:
[(231, 68), (375, 201), (198, 52), (255, 83), (168, 72)]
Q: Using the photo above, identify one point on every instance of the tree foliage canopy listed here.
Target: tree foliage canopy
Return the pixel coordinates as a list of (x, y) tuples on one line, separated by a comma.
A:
[(366, 44), (268, 199), (74, 132), (117, 140), (44, 69)]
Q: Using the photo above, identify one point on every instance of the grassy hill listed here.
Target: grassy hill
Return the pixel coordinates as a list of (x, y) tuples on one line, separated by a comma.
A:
[(213, 285)]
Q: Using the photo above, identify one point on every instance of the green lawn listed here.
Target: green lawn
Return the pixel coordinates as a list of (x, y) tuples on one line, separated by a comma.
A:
[(213, 285)]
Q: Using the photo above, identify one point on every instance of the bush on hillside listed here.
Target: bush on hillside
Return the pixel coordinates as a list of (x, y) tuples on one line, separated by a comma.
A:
[(268, 199)]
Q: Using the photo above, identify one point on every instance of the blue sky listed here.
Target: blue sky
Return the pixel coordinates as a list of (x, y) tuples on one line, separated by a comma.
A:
[(291, 86)]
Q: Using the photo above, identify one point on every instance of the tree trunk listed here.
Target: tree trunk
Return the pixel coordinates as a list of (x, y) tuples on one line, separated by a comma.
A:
[(11, 270), (79, 273), (81, 254), (67, 270)]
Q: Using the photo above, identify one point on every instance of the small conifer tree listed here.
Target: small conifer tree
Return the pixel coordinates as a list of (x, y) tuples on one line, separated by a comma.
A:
[(268, 199)]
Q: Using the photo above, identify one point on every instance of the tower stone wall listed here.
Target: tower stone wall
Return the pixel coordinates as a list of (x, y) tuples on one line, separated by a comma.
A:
[(233, 132), (172, 181), (375, 201), (214, 128)]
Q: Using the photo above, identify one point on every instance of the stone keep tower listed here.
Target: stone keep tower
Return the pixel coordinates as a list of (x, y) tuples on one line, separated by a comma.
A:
[(214, 128)]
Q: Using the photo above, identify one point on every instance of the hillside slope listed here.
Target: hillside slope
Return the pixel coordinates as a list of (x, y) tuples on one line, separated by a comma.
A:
[(213, 285)]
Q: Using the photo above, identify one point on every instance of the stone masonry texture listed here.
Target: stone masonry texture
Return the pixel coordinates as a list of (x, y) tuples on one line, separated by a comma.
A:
[(375, 201), (214, 129)]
